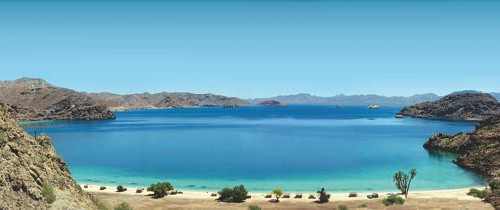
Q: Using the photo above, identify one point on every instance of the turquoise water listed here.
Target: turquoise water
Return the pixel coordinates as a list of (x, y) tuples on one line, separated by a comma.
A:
[(296, 148)]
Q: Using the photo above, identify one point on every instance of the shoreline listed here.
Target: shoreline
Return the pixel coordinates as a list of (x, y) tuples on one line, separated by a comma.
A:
[(459, 194)]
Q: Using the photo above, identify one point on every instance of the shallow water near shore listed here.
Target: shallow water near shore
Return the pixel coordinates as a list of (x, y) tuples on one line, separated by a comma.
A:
[(296, 148)]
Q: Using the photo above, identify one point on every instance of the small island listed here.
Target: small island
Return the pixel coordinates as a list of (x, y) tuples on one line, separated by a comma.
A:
[(462, 106), (272, 103)]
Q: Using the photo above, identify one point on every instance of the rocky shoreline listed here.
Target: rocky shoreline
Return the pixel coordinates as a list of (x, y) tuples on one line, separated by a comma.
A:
[(29, 167), (478, 151)]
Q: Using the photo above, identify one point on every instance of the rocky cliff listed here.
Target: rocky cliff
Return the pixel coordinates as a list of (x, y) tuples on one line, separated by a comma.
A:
[(479, 150), (164, 100), (27, 164), (463, 106), (35, 99)]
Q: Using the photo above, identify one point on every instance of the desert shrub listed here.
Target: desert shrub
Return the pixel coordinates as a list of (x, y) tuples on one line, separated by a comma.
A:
[(123, 206), (278, 193), (393, 199), (323, 197), (160, 189), (100, 204), (48, 193), (478, 193), (342, 207), (363, 205), (237, 194), (495, 184), (3, 137), (254, 207)]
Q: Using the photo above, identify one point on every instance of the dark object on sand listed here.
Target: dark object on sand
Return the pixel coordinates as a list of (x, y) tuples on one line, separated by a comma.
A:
[(353, 194), (139, 190), (286, 196), (85, 186), (213, 194), (102, 188), (268, 196), (311, 196), (298, 195), (121, 188), (373, 195)]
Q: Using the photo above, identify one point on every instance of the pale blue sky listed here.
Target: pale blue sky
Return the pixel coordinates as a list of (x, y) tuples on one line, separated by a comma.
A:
[(254, 48)]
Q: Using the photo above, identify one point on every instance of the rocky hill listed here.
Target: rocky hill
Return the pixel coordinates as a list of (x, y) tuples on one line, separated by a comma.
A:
[(27, 164), (479, 150), (461, 106), (35, 99), (164, 100)]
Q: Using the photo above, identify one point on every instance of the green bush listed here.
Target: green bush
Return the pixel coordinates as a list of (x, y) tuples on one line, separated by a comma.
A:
[(123, 206), (478, 193), (237, 194), (495, 184), (160, 189), (342, 207), (254, 207), (278, 193), (48, 193), (393, 199), (323, 197)]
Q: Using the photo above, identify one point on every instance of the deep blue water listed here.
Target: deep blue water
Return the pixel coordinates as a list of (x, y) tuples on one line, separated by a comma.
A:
[(297, 148)]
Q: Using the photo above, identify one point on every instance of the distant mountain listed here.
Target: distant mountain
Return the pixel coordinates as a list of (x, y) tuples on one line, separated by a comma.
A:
[(345, 100), (456, 106), (163, 100), (36, 99)]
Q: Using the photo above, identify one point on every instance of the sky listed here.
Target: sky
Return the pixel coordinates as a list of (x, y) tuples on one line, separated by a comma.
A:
[(254, 48)]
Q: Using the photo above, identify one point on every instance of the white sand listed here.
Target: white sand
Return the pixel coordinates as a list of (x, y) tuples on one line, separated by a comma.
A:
[(459, 194)]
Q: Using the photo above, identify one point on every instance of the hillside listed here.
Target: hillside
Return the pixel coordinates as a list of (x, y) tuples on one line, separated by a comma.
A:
[(36, 99), (460, 106), (163, 100), (27, 164)]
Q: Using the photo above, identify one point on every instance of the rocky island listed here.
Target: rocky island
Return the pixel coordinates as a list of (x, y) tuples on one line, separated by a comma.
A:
[(271, 103), (30, 166), (462, 106), (36, 99)]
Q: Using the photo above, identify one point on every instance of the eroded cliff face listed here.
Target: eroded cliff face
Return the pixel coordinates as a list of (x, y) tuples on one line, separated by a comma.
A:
[(464, 106), (26, 164), (478, 150), (35, 99)]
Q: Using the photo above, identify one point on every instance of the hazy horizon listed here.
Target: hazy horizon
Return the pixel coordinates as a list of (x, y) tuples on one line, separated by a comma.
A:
[(252, 48)]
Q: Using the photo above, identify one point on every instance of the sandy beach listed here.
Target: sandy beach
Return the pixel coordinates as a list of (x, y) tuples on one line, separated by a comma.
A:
[(431, 199)]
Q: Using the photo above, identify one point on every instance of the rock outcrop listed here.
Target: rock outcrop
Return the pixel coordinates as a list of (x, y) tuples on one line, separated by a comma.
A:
[(35, 99), (164, 100), (28, 163), (463, 106), (272, 103), (478, 150)]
